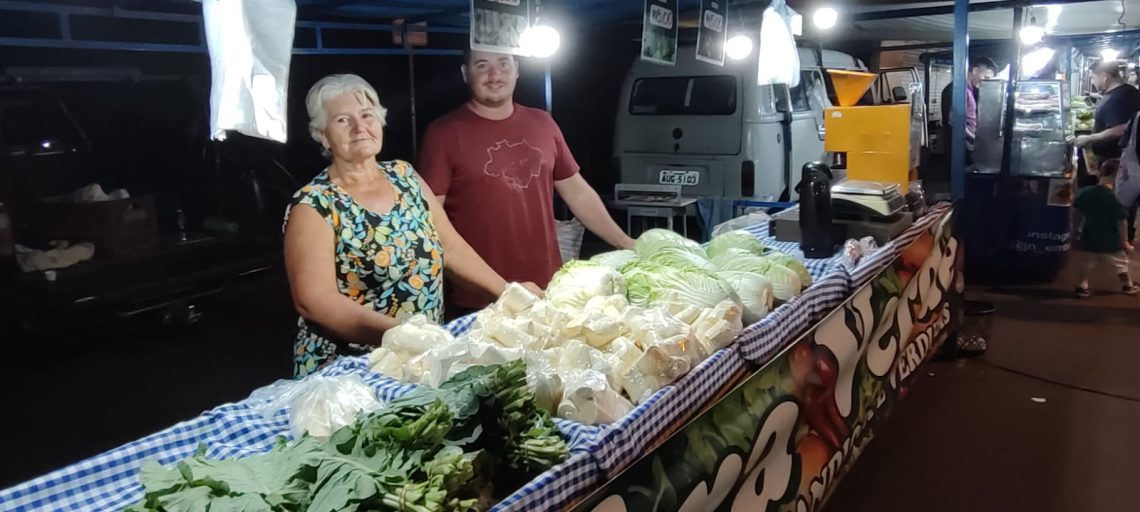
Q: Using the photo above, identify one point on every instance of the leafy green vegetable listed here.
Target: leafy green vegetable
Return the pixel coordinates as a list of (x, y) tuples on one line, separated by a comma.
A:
[(650, 283), (579, 281), (786, 283), (738, 239), (653, 240), (679, 257), (792, 263), (433, 450), (755, 292), (615, 259)]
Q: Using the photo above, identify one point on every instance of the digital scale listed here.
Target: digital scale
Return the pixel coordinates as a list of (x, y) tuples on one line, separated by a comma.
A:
[(866, 200), (859, 209)]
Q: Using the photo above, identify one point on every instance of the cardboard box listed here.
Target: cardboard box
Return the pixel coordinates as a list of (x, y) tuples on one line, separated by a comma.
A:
[(118, 228)]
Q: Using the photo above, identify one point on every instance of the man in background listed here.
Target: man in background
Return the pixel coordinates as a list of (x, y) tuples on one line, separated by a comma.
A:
[(1118, 103), (981, 68)]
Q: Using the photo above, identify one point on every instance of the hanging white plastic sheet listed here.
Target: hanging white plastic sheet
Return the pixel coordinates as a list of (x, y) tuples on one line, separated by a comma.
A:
[(251, 43), (779, 58)]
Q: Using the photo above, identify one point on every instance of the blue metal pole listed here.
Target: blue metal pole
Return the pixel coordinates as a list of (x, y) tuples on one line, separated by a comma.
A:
[(549, 90), (958, 104)]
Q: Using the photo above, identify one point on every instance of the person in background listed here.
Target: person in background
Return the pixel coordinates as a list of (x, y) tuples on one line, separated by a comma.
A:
[(981, 68), (1100, 221), (1130, 164), (366, 243), (495, 165), (1118, 103)]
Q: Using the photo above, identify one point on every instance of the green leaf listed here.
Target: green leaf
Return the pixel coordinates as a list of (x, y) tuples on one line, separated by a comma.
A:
[(246, 503), (160, 481), (196, 499)]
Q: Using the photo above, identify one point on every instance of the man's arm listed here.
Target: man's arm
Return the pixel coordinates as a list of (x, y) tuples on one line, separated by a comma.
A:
[(1109, 135), (591, 211)]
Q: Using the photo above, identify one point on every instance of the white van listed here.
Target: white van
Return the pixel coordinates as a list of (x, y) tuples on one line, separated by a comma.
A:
[(717, 133)]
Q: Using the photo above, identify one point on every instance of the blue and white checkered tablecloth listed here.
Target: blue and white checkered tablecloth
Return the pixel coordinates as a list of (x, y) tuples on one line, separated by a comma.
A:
[(621, 444), (110, 481)]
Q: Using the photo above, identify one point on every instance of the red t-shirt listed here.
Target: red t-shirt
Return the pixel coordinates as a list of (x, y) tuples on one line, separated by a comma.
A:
[(499, 177)]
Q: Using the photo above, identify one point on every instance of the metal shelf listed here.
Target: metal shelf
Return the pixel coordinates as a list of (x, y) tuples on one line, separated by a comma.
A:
[(64, 38)]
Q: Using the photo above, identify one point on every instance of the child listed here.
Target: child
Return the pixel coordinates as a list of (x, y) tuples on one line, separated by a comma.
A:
[(1101, 223)]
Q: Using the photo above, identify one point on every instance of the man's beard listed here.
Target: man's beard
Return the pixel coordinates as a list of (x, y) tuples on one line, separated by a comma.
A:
[(487, 101)]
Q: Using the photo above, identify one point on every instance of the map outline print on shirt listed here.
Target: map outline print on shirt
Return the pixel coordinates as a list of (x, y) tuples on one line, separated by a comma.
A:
[(519, 167)]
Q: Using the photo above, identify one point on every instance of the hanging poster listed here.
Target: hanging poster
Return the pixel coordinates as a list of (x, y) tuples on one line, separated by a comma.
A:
[(781, 439), (659, 32), (712, 33), (497, 25)]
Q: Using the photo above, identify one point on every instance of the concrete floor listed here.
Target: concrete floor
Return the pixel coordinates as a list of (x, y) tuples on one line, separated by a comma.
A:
[(969, 437)]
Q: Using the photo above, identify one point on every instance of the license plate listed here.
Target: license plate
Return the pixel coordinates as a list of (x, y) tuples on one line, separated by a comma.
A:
[(675, 177)]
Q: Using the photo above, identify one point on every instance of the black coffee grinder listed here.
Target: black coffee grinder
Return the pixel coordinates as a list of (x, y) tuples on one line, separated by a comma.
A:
[(817, 239)]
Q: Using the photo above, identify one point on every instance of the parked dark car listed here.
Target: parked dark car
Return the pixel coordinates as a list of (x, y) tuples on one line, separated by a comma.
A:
[(199, 216)]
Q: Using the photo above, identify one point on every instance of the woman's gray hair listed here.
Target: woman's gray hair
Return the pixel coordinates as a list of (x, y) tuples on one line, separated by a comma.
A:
[(332, 86)]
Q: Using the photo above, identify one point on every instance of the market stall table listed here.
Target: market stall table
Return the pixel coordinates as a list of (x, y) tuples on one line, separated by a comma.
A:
[(598, 453)]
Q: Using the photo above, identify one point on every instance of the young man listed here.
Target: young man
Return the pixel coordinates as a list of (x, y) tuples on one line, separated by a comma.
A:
[(981, 68), (495, 166), (1100, 219)]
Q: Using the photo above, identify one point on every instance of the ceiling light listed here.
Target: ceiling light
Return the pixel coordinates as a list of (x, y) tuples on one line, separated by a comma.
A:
[(825, 18), (738, 47), (1036, 60), (1032, 33), (1109, 54), (540, 41)]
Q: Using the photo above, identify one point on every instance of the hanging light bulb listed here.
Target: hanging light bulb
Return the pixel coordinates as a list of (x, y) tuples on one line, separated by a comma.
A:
[(1032, 33), (540, 41), (825, 17), (738, 47)]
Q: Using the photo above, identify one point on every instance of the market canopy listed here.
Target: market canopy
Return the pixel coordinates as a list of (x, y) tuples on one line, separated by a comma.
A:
[(934, 21)]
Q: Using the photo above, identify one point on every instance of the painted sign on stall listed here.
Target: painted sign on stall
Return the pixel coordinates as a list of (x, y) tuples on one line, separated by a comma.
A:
[(659, 32), (781, 439), (712, 32), (497, 25)]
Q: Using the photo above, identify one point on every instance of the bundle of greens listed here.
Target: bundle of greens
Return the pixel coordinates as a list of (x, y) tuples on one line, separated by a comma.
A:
[(445, 449)]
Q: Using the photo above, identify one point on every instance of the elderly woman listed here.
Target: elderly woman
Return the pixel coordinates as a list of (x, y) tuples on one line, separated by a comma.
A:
[(365, 241)]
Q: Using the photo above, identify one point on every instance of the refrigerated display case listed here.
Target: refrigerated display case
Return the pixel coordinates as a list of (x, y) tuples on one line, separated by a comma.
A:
[(1041, 144), (1023, 218)]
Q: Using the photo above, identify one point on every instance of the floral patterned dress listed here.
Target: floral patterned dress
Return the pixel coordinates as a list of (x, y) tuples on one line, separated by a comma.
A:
[(391, 263)]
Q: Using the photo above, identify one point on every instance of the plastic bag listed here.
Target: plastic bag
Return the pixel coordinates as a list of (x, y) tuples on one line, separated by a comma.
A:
[(589, 398), (570, 234), (318, 405), (742, 222), (251, 44), (544, 381), (415, 336)]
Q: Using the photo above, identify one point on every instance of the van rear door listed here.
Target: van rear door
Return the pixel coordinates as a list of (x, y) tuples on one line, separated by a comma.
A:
[(696, 115)]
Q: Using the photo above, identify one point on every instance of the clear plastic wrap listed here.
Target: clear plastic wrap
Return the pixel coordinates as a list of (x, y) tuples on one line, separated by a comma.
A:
[(588, 398), (415, 336), (717, 327), (318, 405), (742, 222), (544, 380)]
